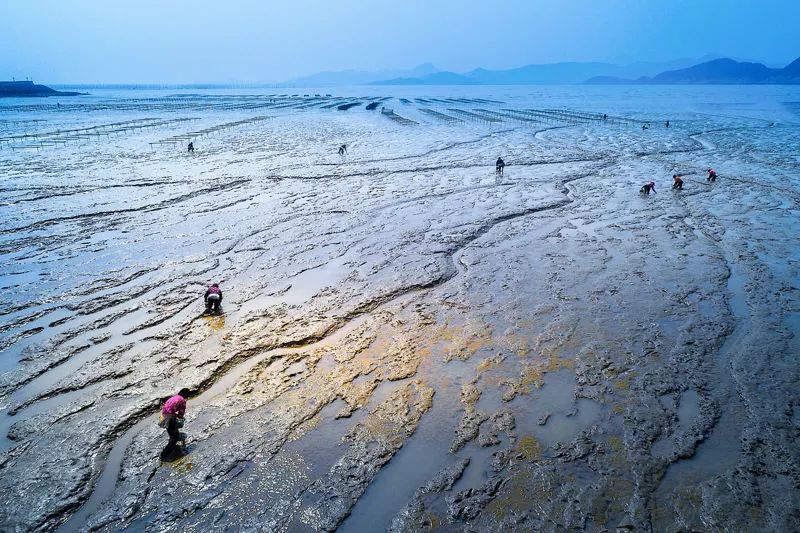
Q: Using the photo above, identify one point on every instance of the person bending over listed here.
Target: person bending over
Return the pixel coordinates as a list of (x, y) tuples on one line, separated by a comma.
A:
[(500, 166), (647, 187), (213, 299), (677, 182), (172, 419), (712, 175)]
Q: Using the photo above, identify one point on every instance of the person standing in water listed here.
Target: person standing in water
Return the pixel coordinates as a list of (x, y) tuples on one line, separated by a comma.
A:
[(343, 149), (677, 182), (500, 166), (647, 187), (191, 147), (712, 175), (213, 299), (172, 419)]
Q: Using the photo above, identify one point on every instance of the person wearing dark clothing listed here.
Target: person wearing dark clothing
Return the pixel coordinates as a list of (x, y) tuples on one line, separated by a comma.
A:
[(343, 149), (191, 147), (677, 182), (172, 419), (666, 124), (605, 117), (213, 299), (500, 166), (647, 187), (712, 175)]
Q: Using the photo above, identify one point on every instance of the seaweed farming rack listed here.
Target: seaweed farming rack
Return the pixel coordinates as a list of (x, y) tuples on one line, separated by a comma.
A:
[(473, 116), (63, 136), (566, 116), (441, 116), (207, 131), (389, 113)]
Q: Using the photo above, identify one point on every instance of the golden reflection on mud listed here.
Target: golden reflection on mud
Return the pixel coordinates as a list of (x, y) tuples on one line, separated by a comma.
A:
[(216, 323)]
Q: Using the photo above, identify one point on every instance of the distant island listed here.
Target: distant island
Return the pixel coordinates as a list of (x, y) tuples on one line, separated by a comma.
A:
[(16, 89), (716, 72)]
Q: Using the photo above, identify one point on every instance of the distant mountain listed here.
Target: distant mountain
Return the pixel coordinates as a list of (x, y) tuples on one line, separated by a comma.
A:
[(551, 73), (18, 89), (718, 71), (789, 74), (437, 78), (359, 77)]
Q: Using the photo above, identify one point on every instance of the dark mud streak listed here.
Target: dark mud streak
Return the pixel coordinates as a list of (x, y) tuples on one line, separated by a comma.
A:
[(465, 166), (164, 204), (52, 393), (423, 154), (437, 195), (88, 190)]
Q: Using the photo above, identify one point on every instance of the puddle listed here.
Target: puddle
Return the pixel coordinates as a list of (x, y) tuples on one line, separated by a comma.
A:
[(688, 410), (568, 416)]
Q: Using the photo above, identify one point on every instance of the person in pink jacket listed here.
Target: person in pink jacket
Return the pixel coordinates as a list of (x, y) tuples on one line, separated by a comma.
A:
[(172, 418), (213, 299)]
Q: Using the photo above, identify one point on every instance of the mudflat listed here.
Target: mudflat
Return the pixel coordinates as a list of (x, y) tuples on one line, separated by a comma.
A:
[(409, 341)]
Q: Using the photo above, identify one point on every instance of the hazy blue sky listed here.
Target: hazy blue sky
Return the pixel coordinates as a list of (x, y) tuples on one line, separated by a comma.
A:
[(179, 41)]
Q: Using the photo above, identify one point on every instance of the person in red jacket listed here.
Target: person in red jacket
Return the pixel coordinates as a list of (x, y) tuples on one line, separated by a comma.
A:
[(172, 419), (647, 187), (712, 175), (677, 182), (213, 299)]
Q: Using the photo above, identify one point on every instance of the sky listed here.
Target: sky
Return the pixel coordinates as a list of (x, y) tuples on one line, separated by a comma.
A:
[(255, 41)]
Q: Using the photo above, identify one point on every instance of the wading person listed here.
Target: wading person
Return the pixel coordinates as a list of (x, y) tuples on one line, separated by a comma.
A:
[(500, 166), (213, 299), (172, 419), (647, 187), (712, 175), (677, 182), (191, 147), (343, 149)]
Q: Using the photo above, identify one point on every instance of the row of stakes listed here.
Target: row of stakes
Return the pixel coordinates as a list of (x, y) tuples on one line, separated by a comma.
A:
[(41, 140), (206, 131), (560, 116), (195, 103)]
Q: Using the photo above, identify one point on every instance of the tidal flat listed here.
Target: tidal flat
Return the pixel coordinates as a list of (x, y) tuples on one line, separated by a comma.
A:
[(410, 341)]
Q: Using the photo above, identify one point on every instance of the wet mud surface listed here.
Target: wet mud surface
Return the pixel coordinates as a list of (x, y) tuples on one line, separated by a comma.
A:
[(409, 341)]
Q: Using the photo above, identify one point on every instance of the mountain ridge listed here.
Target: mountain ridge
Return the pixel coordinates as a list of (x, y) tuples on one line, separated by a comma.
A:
[(710, 69), (722, 71)]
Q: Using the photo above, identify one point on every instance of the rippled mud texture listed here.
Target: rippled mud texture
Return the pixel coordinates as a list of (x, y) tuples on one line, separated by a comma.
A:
[(409, 342)]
